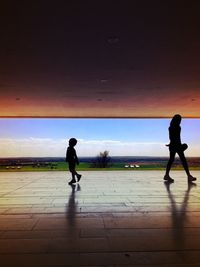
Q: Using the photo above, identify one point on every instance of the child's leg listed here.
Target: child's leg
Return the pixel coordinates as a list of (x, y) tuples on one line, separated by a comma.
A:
[(73, 180), (73, 172), (73, 176), (78, 176)]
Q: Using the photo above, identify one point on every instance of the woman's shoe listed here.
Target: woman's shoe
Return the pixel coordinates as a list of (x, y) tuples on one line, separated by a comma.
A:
[(168, 179), (191, 178)]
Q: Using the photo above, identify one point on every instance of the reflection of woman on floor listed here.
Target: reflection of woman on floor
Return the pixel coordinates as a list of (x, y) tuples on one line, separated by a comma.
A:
[(175, 146), (179, 215)]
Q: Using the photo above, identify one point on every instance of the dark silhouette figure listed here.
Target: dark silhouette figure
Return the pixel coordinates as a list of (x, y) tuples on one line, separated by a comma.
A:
[(175, 146), (72, 160)]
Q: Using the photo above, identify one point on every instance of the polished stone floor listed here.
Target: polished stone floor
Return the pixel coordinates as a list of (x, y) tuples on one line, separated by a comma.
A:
[(113, 218)]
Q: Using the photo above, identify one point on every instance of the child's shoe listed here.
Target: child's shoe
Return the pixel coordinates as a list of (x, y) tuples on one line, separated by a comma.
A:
[(79, 177), (72, 182)]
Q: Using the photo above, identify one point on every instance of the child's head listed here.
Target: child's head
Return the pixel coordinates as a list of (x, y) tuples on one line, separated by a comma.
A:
[(72, 141)]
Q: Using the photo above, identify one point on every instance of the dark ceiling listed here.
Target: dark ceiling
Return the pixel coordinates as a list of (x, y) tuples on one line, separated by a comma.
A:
[(99, 58)]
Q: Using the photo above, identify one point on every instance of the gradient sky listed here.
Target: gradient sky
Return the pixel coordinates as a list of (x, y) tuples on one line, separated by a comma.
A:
[(99, 58), (131, 137)]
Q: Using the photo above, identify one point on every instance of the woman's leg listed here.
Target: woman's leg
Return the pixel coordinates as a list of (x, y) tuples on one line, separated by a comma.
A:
[(184, 162), (170, 161), (169, 164), (185, 166)]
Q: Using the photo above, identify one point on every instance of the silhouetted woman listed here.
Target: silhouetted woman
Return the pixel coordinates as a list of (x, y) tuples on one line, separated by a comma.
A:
[(175, 146)]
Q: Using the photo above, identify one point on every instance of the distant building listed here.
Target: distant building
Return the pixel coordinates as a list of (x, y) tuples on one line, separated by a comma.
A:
[(131, 165)]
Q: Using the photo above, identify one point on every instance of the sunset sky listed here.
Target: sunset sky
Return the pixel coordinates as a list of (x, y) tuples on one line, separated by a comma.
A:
[(80, 59), (121, 137)]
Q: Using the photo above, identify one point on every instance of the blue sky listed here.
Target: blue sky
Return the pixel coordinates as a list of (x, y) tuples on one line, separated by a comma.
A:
[(48, 137)]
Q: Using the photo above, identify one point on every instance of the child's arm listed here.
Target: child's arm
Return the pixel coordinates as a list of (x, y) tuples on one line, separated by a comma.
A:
[(76, 158)]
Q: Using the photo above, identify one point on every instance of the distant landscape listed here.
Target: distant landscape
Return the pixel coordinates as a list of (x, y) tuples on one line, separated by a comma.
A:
[(87, 163)]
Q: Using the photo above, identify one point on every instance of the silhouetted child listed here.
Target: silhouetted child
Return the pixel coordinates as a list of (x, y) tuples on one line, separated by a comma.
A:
[(175, 146), (72, 160)]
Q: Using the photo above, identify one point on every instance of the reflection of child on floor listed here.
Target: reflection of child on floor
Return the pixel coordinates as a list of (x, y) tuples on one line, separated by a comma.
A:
[(72, 160)]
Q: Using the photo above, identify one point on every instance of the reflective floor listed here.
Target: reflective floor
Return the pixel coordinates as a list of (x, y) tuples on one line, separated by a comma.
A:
[(113, 218)]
